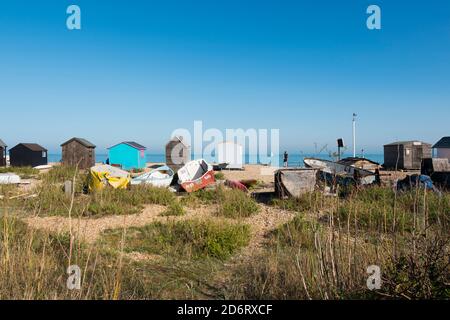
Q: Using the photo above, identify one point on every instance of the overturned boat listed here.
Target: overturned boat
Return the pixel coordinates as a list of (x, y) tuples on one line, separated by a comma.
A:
[(159, 177), (335, 169), (9, 178), (295, 182), (195, 175), (361, 163), (102, 176)]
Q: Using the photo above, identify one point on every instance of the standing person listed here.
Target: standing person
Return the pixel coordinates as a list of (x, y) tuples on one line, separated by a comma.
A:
[(285, 159)]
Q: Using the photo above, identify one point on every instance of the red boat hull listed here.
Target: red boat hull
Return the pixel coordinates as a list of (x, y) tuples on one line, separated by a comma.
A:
[(194, 185)]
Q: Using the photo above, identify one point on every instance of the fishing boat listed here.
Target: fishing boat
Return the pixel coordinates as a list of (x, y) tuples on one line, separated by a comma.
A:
[(342, 170), (195, 175), (159, 177)]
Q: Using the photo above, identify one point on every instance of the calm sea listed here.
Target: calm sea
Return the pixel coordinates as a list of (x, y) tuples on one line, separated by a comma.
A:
[(294, 160)]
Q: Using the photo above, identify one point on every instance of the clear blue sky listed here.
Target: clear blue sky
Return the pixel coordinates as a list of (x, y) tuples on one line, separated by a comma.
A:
[(139, 69)]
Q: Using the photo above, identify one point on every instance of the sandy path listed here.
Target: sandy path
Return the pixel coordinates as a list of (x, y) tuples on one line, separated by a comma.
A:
[(90, 230), (252, 171)]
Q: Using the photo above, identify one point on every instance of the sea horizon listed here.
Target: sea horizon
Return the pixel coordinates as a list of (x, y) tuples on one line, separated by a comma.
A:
[(294, 160)]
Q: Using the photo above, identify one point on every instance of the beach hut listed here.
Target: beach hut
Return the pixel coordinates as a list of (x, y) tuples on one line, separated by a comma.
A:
[(78, 152), (2, 153), (230, 153), (128, 155), (443, 148), (406, 155), (178, 153), (27, 154)]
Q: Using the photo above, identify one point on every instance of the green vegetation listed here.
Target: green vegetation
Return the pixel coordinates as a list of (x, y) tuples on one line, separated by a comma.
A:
[(174, 209), (376, 208), (326, 256), (236, 204), (188, 239), (219, 176), (51, 199), (322, 253), (230, 203), (34, 265)]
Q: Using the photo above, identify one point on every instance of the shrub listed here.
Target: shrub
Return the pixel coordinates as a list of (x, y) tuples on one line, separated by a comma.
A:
[(190, 239), (236, 204)]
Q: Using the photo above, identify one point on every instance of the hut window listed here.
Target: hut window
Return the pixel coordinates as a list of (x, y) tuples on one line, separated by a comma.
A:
[(44, 154), (142, 153), (407, 151)]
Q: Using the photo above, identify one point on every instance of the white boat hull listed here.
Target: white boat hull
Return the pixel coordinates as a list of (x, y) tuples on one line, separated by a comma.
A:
[(160, 177)]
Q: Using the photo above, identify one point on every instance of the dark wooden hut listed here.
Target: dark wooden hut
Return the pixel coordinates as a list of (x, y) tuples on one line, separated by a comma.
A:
[(406, 155), (27, 154), (178, 153), (2, 153), (78, 152)]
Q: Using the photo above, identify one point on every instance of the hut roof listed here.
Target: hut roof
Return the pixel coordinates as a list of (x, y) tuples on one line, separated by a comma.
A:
[(178, 139), (31, 146), (406, 142), (131, 144), (443, 143), (82, 141), (2, 144)]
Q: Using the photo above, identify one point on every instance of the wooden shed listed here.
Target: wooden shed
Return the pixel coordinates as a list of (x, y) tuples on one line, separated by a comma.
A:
[(406, 155), (2, 153), (178, 153), (443, 148), (78, 152), (27, 154)]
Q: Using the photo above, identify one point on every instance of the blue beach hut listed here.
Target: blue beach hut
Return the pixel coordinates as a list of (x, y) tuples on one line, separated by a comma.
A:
[(128, 155)]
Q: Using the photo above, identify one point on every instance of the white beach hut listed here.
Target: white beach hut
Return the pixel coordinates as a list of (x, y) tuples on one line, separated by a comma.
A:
[(230, 153)]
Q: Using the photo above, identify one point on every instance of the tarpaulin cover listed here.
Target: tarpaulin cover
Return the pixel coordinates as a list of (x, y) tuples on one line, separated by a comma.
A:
[(106, 175)]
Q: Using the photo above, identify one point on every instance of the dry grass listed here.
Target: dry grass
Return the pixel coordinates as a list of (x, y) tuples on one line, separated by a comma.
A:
[(326, 258), (322, 253)]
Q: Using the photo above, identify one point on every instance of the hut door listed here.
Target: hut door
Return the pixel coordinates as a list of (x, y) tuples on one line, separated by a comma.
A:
[(417, 156)]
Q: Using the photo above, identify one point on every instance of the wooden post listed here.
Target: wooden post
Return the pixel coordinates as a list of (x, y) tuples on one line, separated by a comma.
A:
[(68, 188)]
